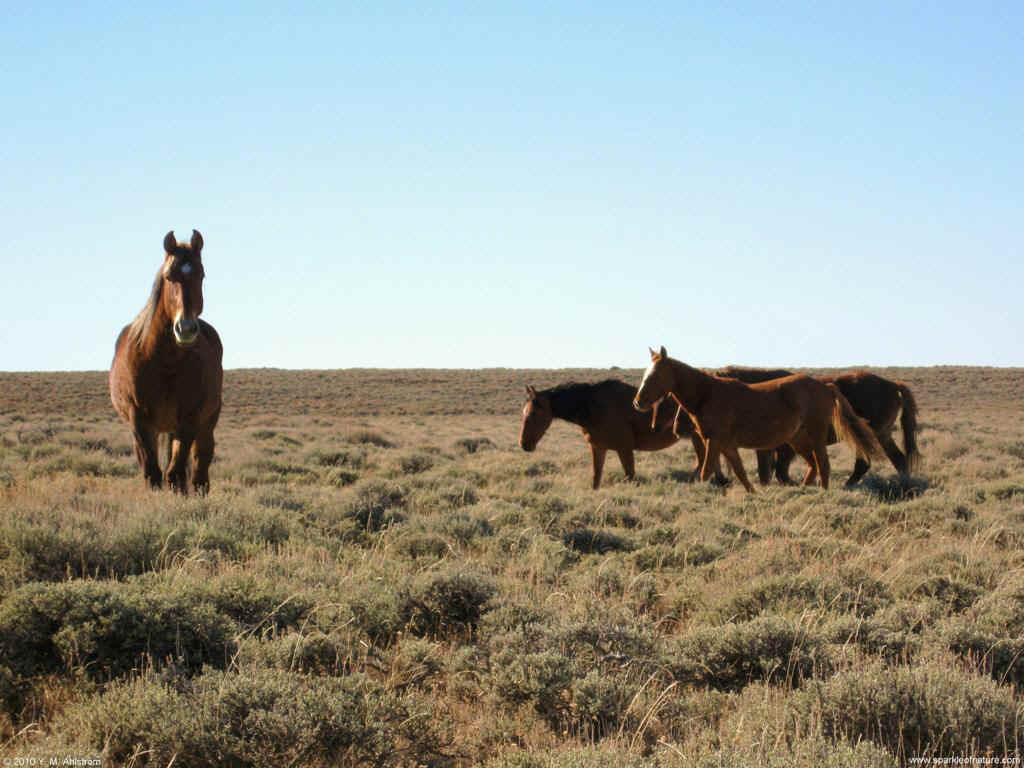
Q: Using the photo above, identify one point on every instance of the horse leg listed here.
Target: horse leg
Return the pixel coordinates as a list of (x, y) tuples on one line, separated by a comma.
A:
[(860, 468), (783, 458), (821, 459), (177, 474), (598, 454), (146, 454), (202, 455), (732, 455), (765, 465), (711, 450), (699, 450), (895, 455), (626, 457), (803, 448)]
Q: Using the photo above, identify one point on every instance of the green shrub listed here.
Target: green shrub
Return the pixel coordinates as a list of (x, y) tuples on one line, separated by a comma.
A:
[(418, 544), (254, 602), (376, 506), (589, 541), (1000, 657), (540, 679), (874, 635), (599, 702), (447, 603), (366, 437), (377, 611), (767, 648), (308, 653), (853, 592), (473, 444), (262, 717), (347, 458), (415, 663), (415, 464), (106, 630), (464, 528), (929, 709)]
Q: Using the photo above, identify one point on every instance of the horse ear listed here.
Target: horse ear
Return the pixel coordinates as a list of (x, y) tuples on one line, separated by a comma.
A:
[(197, 241), (654, 355), (530, 392), (170, 242), (662, 352)]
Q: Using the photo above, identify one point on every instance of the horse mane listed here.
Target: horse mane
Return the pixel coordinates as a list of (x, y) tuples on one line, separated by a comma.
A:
[(139, 328), (571, 401), (751, 375)]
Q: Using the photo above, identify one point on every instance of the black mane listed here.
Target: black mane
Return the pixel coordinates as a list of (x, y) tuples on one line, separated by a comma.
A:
[(572, 400)]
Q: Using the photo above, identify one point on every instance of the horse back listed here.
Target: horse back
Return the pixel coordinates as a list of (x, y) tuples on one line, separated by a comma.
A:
[(871, 396), (752, 375)]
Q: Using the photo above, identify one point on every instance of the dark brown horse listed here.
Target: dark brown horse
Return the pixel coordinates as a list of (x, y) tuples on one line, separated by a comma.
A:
[(167, 374), (875, 399), (730, 415), (605, 413)]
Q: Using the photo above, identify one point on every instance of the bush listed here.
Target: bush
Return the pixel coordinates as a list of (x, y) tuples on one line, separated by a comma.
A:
[(768, 648), (473, 444), (1000, 657), (366, 437), (255, 603), (539, 679), (855, 593), (107, 630), (413, 465), (446, 604), (377, 611), (599, 702), (588, 541), (314, 653), (875, 636), (262, 717), (376, 506), (929, 709)]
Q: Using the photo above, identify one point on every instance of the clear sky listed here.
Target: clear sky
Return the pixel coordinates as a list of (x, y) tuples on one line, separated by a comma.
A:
[(520, 184)]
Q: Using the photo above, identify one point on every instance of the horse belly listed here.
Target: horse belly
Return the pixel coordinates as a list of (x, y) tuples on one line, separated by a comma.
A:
[(763, 434)]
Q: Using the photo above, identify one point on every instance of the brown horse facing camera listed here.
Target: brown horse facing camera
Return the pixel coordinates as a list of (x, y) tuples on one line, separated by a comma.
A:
[(605, 413), (167, 374), (730, 415), (878, 400)]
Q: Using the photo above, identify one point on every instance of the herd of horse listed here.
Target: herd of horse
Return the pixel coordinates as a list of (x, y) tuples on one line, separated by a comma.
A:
[(167, 377), (777, 413)]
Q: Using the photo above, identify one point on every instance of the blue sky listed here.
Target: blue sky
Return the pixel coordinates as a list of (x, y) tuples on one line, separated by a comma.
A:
[(522, 185)]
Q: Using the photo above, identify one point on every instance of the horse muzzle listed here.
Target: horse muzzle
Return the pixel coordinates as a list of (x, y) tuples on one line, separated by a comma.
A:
[(186, 331)]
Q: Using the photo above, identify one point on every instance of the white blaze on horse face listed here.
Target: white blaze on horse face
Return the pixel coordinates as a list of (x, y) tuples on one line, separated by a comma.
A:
[(643, 383), (186, 269)]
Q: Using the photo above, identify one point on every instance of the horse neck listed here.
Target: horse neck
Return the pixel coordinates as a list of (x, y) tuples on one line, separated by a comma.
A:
[(151, 329), (689, 385), (567, 404)]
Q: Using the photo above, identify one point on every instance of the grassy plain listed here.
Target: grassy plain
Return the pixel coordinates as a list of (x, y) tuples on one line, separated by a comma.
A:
[(381, 577)]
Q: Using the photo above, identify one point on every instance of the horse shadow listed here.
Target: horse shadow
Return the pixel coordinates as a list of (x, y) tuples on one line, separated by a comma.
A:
[(892, 490)]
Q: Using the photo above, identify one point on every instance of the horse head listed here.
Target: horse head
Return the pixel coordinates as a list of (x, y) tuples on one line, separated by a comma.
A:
[(182, 294), (657, 382), (537, 416)]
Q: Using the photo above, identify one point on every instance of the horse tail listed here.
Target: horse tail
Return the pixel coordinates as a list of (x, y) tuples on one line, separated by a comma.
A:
[(908, 423), (852, 428)]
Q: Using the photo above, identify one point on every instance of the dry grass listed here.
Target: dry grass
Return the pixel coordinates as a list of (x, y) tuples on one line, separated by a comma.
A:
[(380, 576)]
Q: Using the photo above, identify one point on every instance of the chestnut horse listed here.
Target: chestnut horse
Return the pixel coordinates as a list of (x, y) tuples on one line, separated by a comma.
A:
[(167, 374), (605, 413), (878, 400), (730, 415)]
